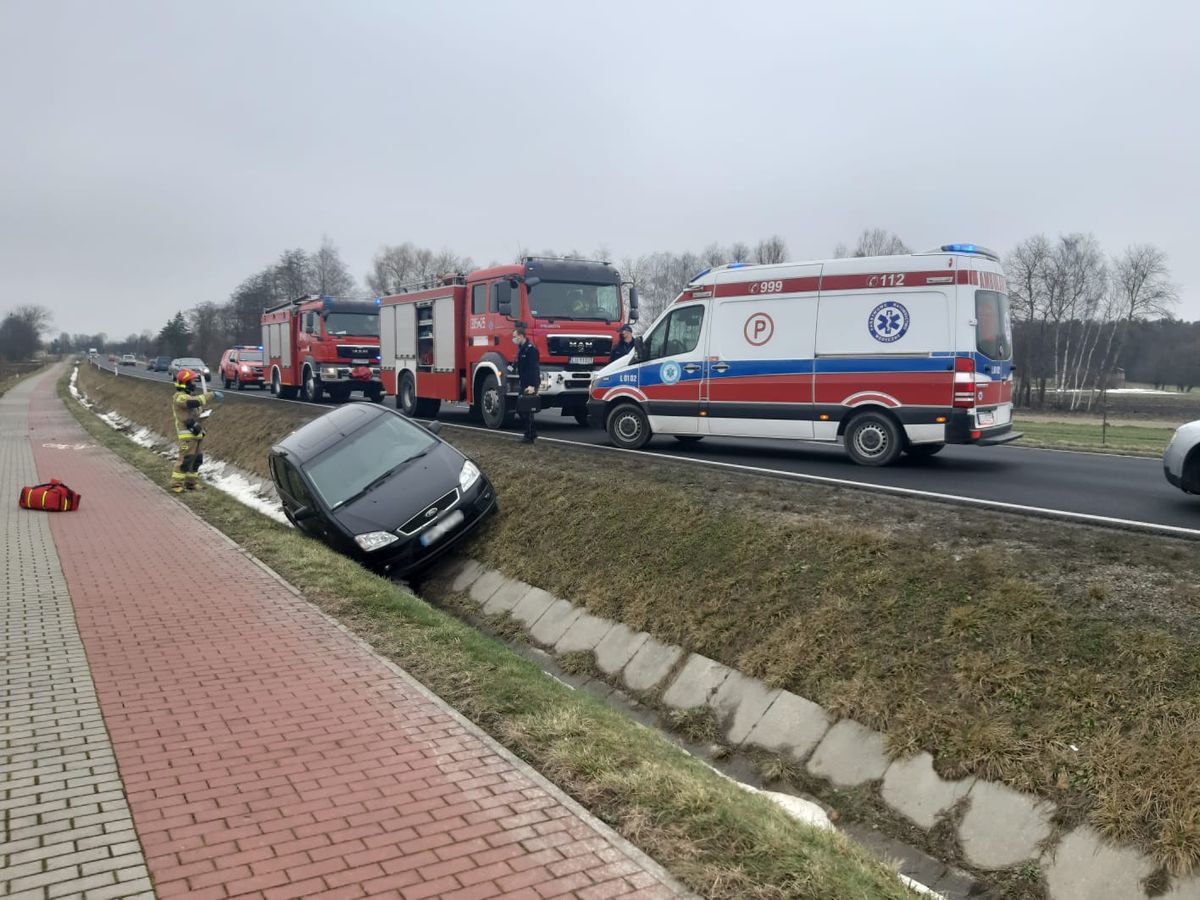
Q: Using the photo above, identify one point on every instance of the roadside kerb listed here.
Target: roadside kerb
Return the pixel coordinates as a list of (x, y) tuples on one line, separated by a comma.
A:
[(1000, 829)]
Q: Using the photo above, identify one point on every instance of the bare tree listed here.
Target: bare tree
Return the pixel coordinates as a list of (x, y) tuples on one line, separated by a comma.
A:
[(873, 242), (715, 255), (294, 274), (1141, 290), (1027, 272), (771, 251), (404, 264), (739, 251), (209, 339), (330, 276)]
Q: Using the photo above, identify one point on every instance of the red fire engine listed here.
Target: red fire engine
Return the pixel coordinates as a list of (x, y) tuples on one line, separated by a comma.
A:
[(451, 339), (319, 345)]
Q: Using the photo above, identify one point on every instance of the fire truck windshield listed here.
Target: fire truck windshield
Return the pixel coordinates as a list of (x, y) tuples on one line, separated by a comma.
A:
[(570, 300), (340, 324)]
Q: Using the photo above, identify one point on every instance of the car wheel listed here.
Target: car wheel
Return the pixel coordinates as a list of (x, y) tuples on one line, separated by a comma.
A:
[(406, 396), (226, 382), (920, 451), (872, 439), (493, 403), (240, 384), (628, 427)]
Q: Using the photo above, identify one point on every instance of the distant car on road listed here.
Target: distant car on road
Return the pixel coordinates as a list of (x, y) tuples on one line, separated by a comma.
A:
[(188, 362), (242, 365), (129, 360), (1181, 461), (379, 487), (158, 364)]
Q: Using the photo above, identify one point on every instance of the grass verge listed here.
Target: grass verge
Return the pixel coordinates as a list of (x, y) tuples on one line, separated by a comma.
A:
[(11, 374), (717, 839), (1058, 659), (1132, 440)]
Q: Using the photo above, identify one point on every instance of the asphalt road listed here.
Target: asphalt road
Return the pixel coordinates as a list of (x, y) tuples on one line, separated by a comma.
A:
[(1093, 487)]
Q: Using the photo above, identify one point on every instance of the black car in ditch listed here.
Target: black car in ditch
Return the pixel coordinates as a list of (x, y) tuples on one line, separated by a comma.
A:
[(379, 487)]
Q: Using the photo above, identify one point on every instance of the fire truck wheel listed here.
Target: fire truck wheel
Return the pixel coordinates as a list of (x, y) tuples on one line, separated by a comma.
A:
[(406, 396), (872, 439), (310, 389), (493, 404), (628, 427), (920, 451)]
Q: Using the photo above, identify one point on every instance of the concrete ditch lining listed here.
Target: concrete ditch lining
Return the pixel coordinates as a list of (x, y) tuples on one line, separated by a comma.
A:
[(1002, 829)]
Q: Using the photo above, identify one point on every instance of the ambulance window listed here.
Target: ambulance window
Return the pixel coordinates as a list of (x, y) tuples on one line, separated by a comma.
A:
[(993, 331), (479, 299), (677, 333)]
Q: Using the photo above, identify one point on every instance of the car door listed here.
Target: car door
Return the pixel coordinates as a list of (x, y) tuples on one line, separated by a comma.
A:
[(671, 370), (295, 495)]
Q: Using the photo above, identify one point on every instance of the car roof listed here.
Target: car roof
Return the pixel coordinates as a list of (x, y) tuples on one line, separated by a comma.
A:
[(314, 438)]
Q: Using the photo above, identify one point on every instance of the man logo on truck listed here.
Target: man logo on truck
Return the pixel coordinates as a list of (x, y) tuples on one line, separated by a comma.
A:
[(888, 322)]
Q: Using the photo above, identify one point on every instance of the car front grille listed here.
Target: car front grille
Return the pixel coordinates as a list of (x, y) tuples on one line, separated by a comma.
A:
[(429, 514)]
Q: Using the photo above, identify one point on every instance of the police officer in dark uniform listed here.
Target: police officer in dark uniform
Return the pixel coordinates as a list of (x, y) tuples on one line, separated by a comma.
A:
[(624, 344), (529, 373)]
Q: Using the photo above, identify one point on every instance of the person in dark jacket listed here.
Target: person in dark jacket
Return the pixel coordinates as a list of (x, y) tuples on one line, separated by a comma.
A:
[(529, 373), (624, 345)]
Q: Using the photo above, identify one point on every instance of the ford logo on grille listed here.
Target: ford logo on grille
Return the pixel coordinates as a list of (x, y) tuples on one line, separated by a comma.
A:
[(431, 512)]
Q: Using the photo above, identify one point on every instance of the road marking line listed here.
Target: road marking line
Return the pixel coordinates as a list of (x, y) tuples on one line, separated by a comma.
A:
[(1002, 505)]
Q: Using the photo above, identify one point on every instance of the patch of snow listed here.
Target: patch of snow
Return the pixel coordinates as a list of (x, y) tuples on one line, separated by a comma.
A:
[(216, 472)]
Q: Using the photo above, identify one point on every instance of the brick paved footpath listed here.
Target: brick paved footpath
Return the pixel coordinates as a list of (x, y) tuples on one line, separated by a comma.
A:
[(262, 751)]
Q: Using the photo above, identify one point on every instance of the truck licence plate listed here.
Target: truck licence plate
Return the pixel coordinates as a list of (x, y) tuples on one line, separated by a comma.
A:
[(437, 531), (986, 418), (580, 360)]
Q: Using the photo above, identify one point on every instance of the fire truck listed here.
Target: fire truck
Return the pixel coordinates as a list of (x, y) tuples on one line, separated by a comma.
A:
[(321, 346), (451, 339)]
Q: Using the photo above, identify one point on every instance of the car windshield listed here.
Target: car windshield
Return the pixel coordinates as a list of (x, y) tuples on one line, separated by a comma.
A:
[(993, 333), (366, 457), (192, 361), (250, 356), (340, 324), (571, 300)]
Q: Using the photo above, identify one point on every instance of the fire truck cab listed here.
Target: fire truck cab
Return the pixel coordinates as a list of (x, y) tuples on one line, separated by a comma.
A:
[(891, 355), (451, 339)]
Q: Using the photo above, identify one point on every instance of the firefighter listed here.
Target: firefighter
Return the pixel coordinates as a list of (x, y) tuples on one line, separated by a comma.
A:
[(185, 408)]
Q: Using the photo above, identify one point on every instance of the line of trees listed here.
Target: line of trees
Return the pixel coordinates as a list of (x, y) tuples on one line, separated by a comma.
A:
[(1081, 316)]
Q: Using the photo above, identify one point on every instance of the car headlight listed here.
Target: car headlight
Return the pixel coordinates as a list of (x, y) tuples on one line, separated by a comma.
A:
[(245, 368), (468, 476), (374, 540)]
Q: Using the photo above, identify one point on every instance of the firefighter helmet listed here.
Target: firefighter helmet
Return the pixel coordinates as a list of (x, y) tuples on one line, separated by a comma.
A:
[(184, 379)]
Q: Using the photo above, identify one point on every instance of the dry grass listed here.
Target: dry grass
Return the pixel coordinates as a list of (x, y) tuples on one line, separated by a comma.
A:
[(1058, 659), (717, 839), (986, 644)]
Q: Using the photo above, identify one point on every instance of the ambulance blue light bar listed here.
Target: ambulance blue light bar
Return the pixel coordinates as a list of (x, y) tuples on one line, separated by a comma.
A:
[(970, 248)]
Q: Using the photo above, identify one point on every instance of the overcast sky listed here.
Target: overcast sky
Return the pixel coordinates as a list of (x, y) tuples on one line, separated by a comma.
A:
[(154, 154)]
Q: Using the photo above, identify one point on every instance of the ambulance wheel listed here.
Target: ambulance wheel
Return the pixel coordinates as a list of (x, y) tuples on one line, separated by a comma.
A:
[(920, 451), (689, 438), (628, 427), (872, 439), (493, 403), (406, 396)]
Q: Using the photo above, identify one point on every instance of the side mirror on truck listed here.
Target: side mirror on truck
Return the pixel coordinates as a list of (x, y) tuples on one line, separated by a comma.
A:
[(633, 303), (503, 291)]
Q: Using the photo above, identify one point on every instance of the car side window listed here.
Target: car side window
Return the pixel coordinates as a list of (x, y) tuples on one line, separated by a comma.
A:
[(293, 484)]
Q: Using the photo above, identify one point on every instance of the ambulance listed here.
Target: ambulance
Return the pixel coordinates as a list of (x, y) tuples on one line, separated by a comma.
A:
[(886, 354)]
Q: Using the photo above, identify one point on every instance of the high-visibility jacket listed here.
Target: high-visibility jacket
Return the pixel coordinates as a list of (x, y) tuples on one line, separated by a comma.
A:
[(185, 408)]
